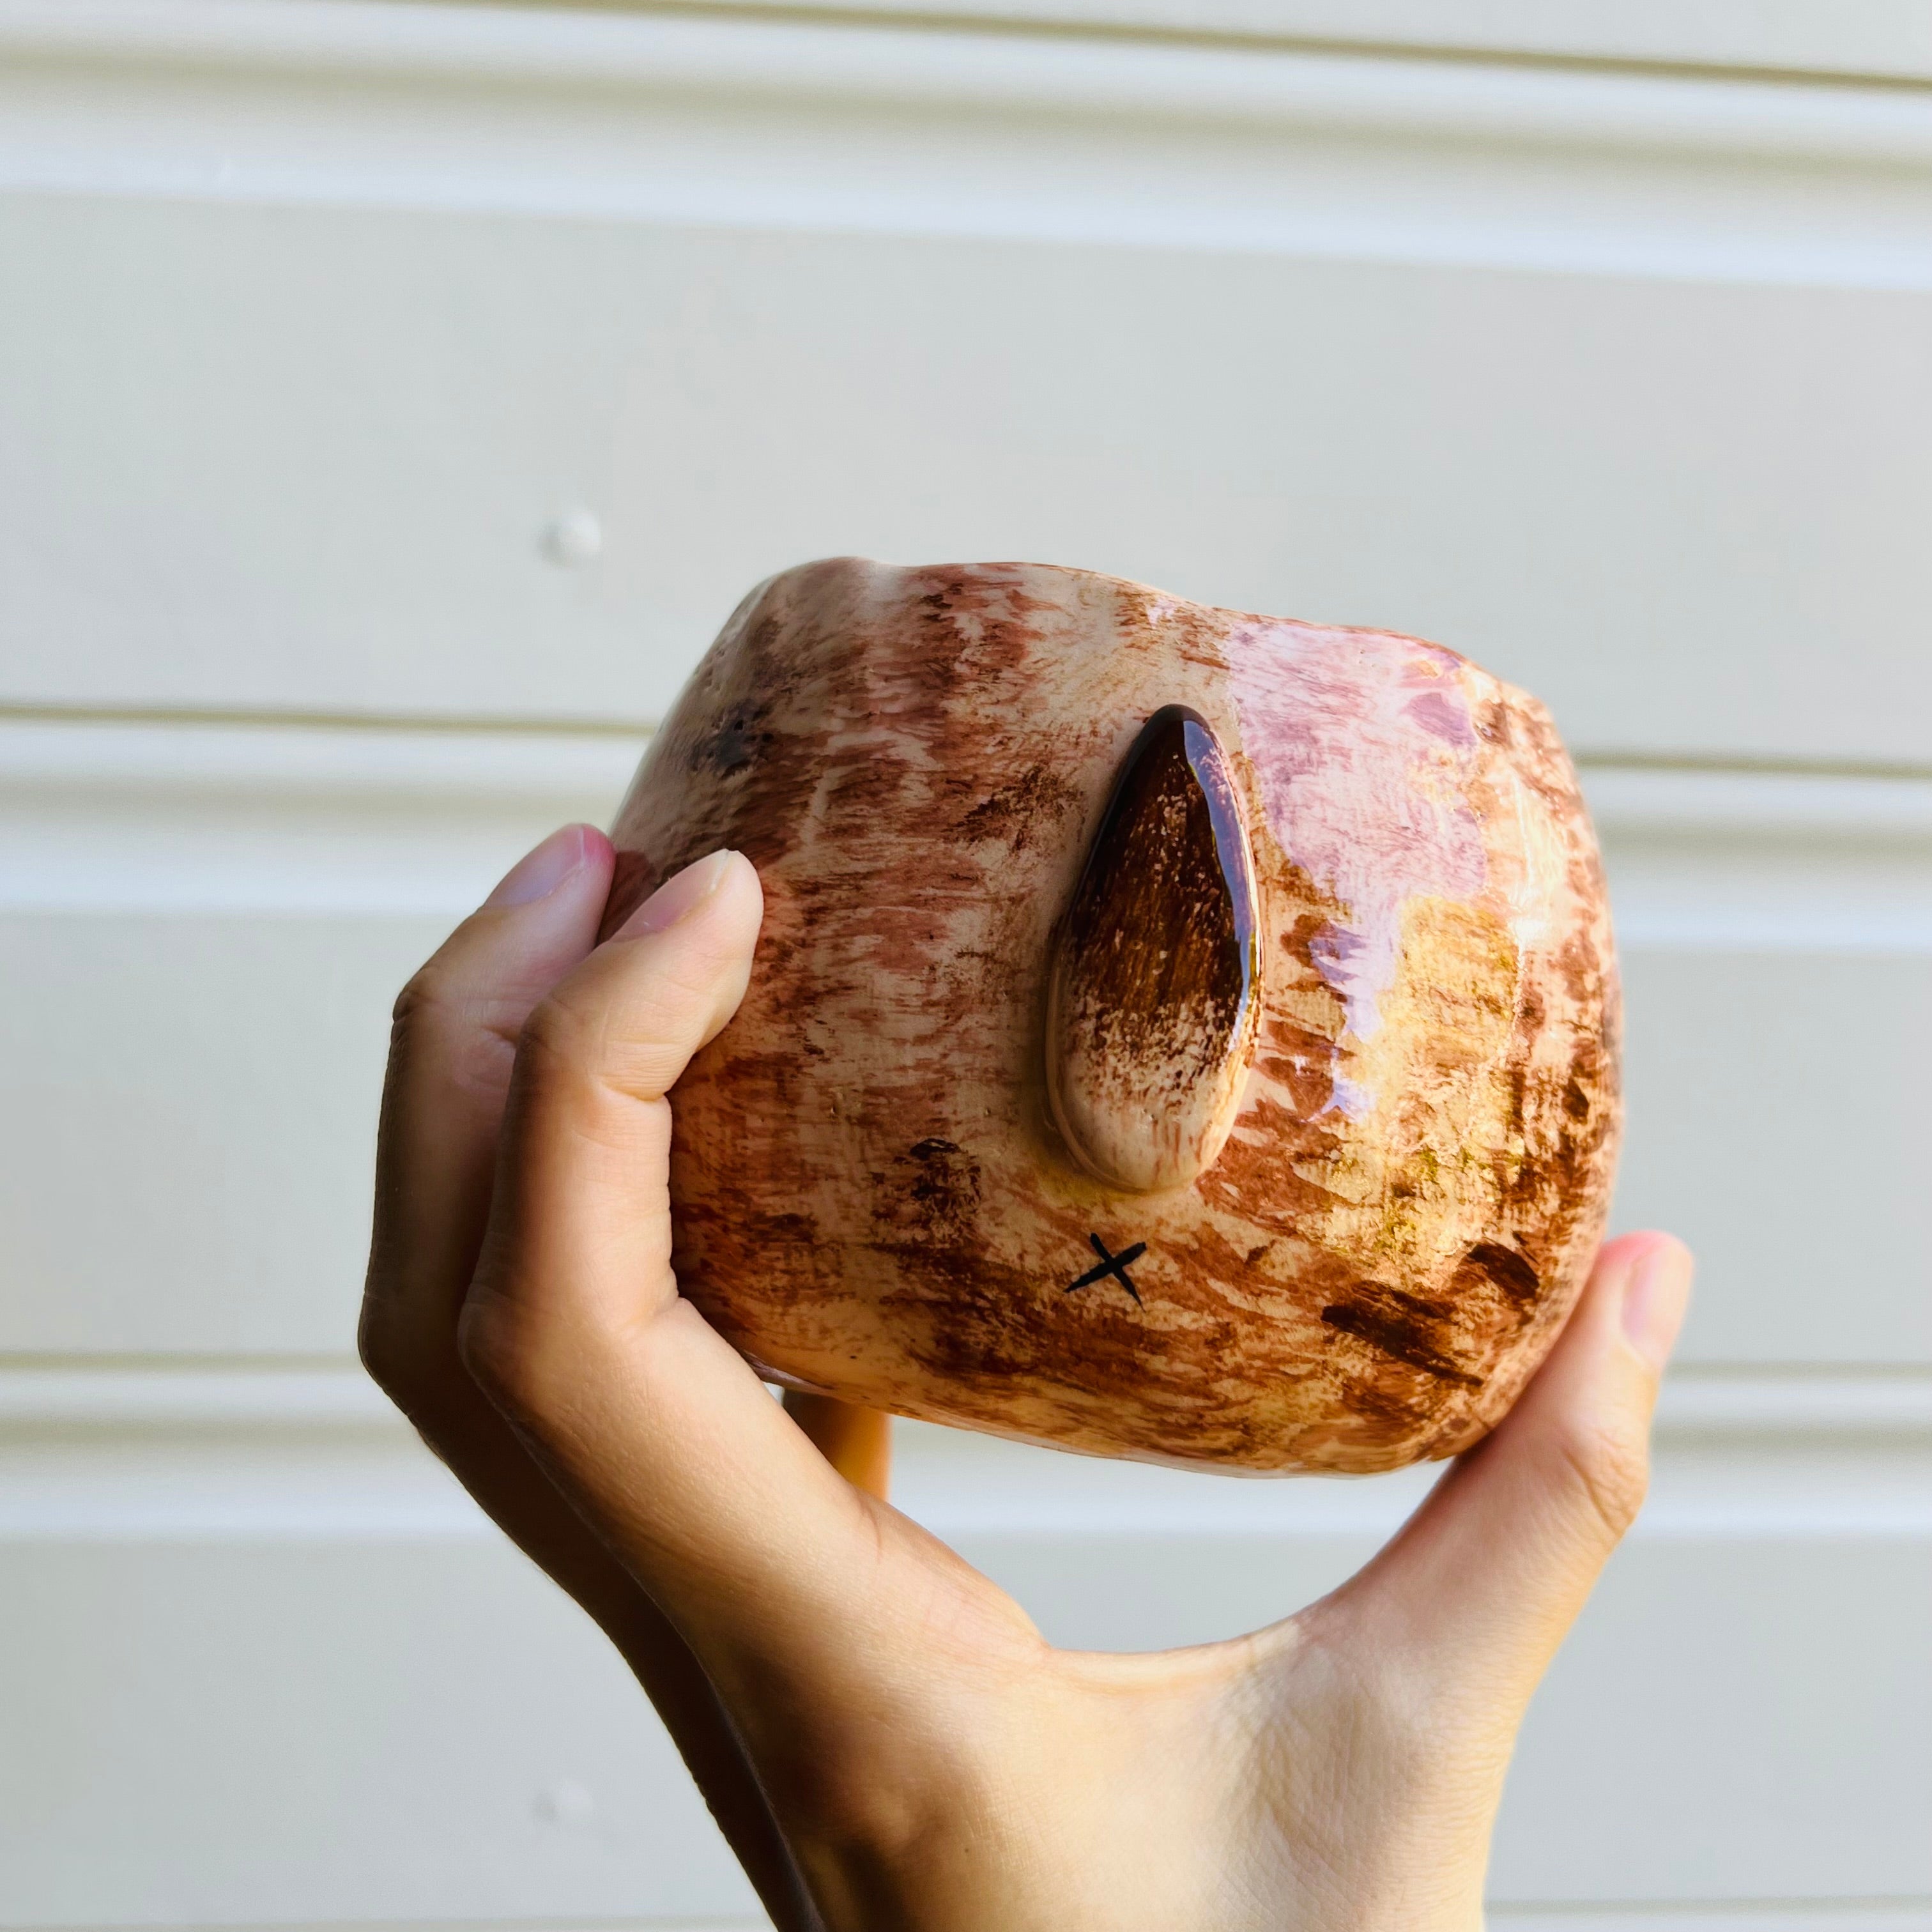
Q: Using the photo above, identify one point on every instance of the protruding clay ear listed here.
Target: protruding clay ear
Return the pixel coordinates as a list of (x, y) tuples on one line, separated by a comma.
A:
[(1152, 993)]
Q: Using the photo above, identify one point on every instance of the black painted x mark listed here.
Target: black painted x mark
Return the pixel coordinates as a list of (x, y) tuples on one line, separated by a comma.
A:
[(1113, 1264)]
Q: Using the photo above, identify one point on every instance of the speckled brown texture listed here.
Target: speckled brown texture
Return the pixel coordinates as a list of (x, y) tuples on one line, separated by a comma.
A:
[(872, 1201)]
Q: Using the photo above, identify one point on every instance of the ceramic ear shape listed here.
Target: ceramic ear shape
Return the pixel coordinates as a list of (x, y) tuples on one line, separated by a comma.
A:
[(1151, 999)]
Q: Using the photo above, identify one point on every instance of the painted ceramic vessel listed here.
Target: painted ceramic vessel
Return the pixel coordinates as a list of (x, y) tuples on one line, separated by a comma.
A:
[(1175, 1033)]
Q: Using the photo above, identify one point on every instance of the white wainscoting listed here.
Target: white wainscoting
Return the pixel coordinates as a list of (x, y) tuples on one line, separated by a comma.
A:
[(1620, 381), (372, 1711), (394, 398)]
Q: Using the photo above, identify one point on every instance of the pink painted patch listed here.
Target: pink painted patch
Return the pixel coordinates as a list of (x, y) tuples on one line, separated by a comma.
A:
[(1363, 746)]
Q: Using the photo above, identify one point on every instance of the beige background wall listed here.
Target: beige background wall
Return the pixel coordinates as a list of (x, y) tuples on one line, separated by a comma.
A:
[(392, 400)]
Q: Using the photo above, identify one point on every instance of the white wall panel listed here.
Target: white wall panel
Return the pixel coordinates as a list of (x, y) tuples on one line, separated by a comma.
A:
[(184, 1160), (305, 461), (366, 1709), (1778, 1122), (203, 930), (1627, 391), (184, 1148), (358, 1731), (201, 933), (345, 1730)]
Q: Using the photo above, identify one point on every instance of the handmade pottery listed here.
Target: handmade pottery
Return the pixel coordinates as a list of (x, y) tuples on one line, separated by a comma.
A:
[(1175, 1033)]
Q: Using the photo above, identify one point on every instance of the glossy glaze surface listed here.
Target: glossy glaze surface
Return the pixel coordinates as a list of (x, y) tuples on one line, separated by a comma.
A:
[(1153, 993), (874, 1198)]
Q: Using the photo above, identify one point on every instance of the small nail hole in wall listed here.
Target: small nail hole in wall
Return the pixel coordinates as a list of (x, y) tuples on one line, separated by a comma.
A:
[(571, 538), (564, 1803)]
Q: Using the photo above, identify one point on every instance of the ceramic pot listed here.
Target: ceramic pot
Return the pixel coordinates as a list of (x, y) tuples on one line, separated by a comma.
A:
[(1175, 1033)]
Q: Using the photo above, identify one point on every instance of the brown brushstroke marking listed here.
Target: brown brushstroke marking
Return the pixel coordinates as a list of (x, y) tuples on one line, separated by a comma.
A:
[(1510, 1272), (1405, 1326), (735, 741), (1155, 936), (1259, 1175), (967, 1320), (1019, 811), (932, 1189)]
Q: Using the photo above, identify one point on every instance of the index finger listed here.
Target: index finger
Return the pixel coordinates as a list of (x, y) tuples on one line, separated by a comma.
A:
[(451, 1047), (773, 1567)]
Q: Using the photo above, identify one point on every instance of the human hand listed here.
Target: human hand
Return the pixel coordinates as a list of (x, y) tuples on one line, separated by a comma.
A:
[(885, 1738)]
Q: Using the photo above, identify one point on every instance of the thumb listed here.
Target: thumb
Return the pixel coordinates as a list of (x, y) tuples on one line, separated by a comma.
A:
[(1485, 1579)]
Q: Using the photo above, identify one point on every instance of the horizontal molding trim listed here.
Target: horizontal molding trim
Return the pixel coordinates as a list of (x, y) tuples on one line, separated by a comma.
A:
[(528, 48), (375, 759), (1889, 38), (357, 764), (261, 1454), (698, 118), (1760, 1914), (100, 816), (1757, 1915), (76, 1400)]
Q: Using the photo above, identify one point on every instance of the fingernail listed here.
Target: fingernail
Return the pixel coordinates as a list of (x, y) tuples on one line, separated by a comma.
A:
[(1655, 1297), (539, 873), (679, 896)]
